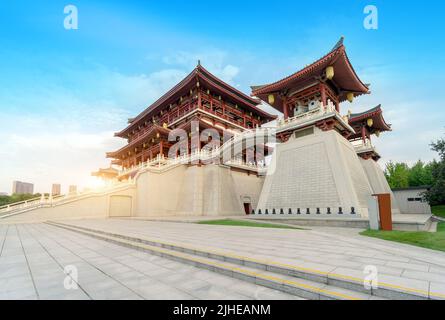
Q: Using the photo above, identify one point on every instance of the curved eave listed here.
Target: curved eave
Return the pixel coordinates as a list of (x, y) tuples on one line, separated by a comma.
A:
[(376, 114), (110, 172), (201, 74), (224, 88), (344, 75), (138, 140), (158, 103)]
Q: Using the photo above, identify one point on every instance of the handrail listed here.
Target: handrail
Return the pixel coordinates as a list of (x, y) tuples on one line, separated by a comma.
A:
[(61, 199), (162, 163), (159, 163), (19, 203)]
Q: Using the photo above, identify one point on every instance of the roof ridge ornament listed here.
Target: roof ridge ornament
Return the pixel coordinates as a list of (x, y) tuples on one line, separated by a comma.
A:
[(339, 43)]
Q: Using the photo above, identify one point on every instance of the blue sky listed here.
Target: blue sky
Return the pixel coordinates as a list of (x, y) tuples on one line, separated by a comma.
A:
[(64, 92)]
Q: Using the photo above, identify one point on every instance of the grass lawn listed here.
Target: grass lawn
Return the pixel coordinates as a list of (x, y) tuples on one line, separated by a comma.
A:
[(438, 211), (431, 240), (246, 223)]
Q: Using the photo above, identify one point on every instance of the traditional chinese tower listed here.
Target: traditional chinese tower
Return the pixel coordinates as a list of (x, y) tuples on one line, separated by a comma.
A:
[(316, 169), (366, 125)]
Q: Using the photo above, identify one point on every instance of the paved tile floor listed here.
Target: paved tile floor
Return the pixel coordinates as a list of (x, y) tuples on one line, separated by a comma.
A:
[(33, 258), (338, 250)]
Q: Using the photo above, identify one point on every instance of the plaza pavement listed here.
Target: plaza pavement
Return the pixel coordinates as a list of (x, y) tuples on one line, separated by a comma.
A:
[(337, 250), (33, 258)]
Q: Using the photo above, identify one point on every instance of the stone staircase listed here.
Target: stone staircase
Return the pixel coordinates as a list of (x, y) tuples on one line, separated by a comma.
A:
[(300, 281), (54, 201)]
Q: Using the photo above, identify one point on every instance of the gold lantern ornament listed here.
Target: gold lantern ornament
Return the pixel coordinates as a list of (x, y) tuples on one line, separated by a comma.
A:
[(377, 133), (370, 122), (330, 72), (157, 135), (271, 99), (350, 96), (164, 125)]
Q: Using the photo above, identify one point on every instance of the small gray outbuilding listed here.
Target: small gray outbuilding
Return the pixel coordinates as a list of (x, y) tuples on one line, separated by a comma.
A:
[(410, 200)]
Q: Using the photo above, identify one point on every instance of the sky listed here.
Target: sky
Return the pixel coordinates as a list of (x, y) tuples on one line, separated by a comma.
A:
[(63, 93)]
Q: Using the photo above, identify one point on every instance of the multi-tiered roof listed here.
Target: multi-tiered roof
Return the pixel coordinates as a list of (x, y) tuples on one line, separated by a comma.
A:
[(200, 96)]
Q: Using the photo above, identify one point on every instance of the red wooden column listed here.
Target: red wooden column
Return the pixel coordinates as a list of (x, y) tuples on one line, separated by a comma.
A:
[(323, 94), (199, 99), (285, 109), (363, 134)]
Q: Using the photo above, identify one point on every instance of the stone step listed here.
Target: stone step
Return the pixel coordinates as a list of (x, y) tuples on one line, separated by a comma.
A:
[(350, 279), (433, 226), (300, 287)]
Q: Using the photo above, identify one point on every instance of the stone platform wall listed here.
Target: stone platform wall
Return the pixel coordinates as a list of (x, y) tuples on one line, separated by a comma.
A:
[(320, 170)]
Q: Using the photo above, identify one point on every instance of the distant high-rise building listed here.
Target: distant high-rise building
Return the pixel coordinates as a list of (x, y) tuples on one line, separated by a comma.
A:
[(19, 187), (73, 189), (56, 189)]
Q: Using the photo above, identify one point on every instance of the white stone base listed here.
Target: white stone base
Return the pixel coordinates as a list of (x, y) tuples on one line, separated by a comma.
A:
[(208, 190), (321, 170)]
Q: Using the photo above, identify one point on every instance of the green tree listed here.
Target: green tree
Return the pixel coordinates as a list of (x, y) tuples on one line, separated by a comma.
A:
[(397, 174), (5, 200), (436, 195), (420, 174)]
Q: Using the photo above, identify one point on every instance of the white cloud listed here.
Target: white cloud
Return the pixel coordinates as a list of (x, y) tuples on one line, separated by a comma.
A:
[(53, 134), (213, 60)]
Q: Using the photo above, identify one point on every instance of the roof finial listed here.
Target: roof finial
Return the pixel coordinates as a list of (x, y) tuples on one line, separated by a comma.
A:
[(339, 43), (199, 62)]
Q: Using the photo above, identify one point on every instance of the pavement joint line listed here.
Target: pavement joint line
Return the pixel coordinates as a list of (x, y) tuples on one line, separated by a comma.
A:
[(129, 266), (55, 260), (265, 262), (96, 269), (27, 263), (217, 252), (221, 265), (378, 245), (4, 240)]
